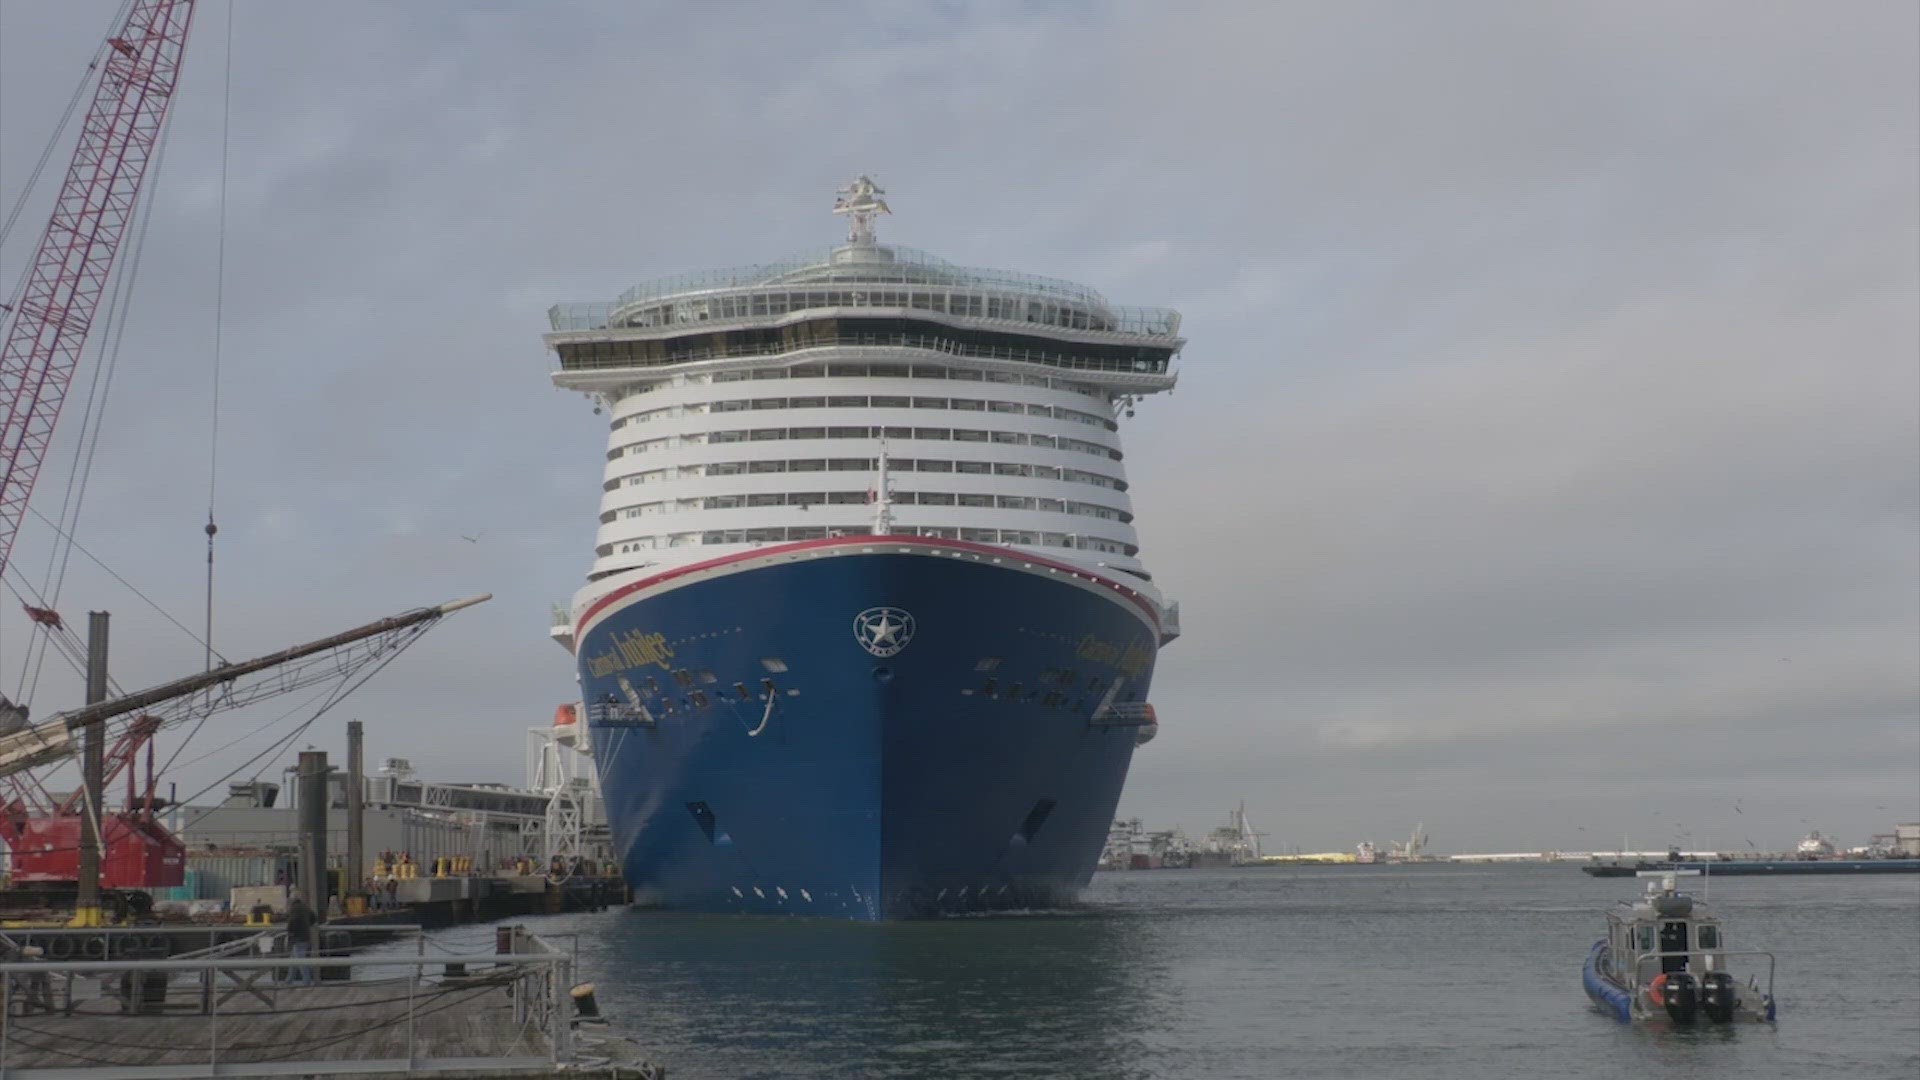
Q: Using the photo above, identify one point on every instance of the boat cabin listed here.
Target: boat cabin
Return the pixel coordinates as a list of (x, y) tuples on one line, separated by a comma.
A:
[(1663, 931)]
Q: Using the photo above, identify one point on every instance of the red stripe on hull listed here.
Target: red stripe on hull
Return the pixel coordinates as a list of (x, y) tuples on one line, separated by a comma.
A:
[(1145, 605)]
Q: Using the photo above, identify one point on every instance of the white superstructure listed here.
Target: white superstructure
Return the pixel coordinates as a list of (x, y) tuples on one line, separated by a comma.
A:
[(754, 406)]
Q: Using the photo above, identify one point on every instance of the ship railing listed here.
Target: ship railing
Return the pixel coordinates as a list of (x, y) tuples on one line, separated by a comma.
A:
[(905, 267), (1711, 960), (278, 1015), (619, 714), (924, 342), (1123, 714)]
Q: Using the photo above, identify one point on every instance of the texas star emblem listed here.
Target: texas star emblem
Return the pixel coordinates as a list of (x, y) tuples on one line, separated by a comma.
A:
[(883, 631)]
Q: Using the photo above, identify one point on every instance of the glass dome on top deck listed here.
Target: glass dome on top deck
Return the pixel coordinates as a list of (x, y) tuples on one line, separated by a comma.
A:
[(864, 275)]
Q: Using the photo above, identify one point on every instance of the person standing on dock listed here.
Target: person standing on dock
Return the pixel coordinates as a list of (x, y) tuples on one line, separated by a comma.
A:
[(299, 939)]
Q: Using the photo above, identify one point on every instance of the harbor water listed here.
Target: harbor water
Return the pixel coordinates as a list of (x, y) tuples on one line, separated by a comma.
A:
[(1420, 971)]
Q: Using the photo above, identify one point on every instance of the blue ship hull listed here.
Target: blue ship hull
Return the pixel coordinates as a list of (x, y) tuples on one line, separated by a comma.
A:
[(863, 728)]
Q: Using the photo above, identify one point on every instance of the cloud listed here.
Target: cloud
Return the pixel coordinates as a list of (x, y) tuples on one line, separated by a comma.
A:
[(1551, 392)]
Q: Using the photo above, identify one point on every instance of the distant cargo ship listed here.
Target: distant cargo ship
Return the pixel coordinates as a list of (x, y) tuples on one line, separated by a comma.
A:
[(866, 633)]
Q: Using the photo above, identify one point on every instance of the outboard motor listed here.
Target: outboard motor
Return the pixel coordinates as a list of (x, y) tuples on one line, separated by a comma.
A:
[(1682, 996), (1717, 996)]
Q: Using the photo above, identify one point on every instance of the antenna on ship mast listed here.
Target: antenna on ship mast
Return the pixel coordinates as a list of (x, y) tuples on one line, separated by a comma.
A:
[(861, 201), (882, 497)]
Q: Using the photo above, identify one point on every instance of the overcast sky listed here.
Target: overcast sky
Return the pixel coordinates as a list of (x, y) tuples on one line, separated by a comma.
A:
[(1545, 464)]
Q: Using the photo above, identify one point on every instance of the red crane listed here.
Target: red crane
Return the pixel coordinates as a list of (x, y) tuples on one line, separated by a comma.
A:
[(48, 329), (63, 284)]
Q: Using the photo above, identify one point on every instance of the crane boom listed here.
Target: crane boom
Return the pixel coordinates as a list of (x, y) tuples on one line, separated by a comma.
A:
[(69, 271), (53, 739)]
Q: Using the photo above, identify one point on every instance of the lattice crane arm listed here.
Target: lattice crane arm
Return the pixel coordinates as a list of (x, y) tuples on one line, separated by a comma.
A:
[(63, 285)]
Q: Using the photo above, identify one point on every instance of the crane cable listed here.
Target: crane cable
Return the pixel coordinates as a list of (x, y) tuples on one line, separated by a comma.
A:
[(219, 327)]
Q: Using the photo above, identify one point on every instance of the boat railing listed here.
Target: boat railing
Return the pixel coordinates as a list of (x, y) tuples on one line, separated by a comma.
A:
[(1713, 958)]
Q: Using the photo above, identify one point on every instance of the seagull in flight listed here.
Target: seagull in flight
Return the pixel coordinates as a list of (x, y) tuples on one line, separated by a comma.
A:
[(475, 538)]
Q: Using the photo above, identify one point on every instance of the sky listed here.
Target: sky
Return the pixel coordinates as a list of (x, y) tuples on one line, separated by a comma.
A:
[(1544, 465)]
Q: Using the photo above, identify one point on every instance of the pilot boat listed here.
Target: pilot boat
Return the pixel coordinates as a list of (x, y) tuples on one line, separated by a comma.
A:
[(1665, 956)]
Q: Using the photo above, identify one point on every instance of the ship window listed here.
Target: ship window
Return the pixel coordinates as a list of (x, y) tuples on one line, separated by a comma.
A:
[(1709, 936), (1646, 939)]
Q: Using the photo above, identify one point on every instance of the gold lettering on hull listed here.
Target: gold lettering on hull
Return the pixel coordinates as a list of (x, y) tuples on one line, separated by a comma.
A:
[(634, 649), (1132, 659)]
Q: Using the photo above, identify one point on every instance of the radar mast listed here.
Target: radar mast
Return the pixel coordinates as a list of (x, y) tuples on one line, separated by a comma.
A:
[(861, 202)]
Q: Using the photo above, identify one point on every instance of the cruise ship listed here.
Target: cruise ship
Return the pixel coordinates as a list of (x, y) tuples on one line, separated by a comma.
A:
[(866, 633)]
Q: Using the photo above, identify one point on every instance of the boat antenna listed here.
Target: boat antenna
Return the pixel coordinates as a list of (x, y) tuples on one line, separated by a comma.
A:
[(861, 202), (882, 496)]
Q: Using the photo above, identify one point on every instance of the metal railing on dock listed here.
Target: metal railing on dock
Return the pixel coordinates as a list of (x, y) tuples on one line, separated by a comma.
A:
[(248, 1013)]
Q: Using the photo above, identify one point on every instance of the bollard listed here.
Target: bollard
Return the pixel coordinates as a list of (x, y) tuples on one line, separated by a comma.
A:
[(583, 1003)]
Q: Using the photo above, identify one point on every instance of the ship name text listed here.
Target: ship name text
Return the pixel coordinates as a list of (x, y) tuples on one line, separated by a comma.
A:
[(1132, 659), (631, 650)]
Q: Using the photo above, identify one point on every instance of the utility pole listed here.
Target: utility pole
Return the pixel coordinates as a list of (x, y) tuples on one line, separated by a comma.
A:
[(86, 909), (356, 810)]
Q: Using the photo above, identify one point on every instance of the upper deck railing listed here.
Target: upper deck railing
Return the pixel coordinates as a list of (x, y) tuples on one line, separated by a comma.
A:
[(778, 289), (897, 266)]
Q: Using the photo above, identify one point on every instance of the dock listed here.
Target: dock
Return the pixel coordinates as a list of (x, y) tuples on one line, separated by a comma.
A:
[(406, 1008)]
